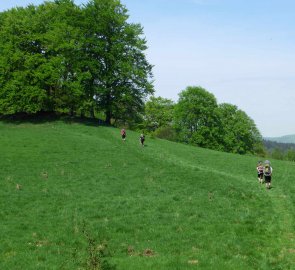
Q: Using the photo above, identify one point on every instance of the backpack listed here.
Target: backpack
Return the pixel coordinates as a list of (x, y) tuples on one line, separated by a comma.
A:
[(267, 170)]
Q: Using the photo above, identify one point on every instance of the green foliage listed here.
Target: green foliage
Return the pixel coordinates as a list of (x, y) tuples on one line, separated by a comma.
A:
[(277, 154), (158, 113), (20, 63), (40, 56), (195, 118), (199, 120), (75, 196), (238, 131), (290, 155), (120, 73), (58, 56), (283, 151), (166, 132)]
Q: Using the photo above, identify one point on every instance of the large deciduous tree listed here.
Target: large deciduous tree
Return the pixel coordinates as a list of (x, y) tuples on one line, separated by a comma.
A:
[(196, 119), (200, 121), (61, 57), (114, 50), (238, 131), (62, 42)]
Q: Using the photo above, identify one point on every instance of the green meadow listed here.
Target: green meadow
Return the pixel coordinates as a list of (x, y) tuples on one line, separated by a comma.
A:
[(74, 196)]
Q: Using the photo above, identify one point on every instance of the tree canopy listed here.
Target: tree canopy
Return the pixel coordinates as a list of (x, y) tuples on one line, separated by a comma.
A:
[(198, 119), (195, 117), (158, 113), (239, 132), (62, 57)]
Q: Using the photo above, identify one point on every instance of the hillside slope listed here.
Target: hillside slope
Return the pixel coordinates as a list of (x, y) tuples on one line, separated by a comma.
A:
[(283, 139), (73, 196)]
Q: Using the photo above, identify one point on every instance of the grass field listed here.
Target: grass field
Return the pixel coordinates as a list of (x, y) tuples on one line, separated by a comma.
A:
[(74, 196)]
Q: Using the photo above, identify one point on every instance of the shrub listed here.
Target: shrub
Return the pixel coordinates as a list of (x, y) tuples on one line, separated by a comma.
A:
[(167, 133)]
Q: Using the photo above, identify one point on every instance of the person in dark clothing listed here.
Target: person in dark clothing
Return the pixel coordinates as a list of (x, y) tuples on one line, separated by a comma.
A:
[(123, 134), (267, 171), (142, 139)]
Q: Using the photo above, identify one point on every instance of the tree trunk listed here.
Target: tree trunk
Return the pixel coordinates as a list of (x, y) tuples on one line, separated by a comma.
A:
[(108, 117), (72, 112), (92, 112)]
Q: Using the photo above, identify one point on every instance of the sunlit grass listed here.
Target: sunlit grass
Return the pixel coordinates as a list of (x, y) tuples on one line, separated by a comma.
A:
[(69, 191)]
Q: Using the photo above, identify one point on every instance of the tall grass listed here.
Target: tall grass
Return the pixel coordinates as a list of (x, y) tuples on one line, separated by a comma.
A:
[(75, 196)]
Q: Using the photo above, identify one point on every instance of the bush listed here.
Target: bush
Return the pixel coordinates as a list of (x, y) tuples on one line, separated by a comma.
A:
[(167, 133)]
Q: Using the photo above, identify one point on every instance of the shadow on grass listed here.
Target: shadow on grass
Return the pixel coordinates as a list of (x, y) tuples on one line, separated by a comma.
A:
[(46, 117)]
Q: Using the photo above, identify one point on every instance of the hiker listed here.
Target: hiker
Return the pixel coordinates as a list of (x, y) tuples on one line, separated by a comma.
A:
[(123, 134), (259, 169), (267, 171), (141, 139)]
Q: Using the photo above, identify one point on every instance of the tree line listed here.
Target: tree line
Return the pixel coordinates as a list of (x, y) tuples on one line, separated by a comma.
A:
[(90, 61), (282, 151), (197, 119)]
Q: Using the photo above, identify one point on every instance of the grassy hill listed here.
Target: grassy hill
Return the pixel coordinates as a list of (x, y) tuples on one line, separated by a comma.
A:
[(74, 196), (283, 139)]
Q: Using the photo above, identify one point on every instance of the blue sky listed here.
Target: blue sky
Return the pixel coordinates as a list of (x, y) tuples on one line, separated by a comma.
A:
[(242, 51)]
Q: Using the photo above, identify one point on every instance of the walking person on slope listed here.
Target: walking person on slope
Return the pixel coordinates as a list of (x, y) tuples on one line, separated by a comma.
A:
[(142, 139), (267, 171), (259, 169), (123, 134)]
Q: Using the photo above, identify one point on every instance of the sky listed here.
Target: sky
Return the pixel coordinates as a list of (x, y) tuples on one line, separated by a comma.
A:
[(242, 51)]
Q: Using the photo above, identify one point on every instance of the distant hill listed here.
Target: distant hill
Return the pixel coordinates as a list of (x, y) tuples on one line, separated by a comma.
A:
[(272, 145), (283, 139)]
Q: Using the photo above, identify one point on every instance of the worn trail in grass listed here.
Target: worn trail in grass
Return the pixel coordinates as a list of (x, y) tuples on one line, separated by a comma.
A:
[(164, 206)]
